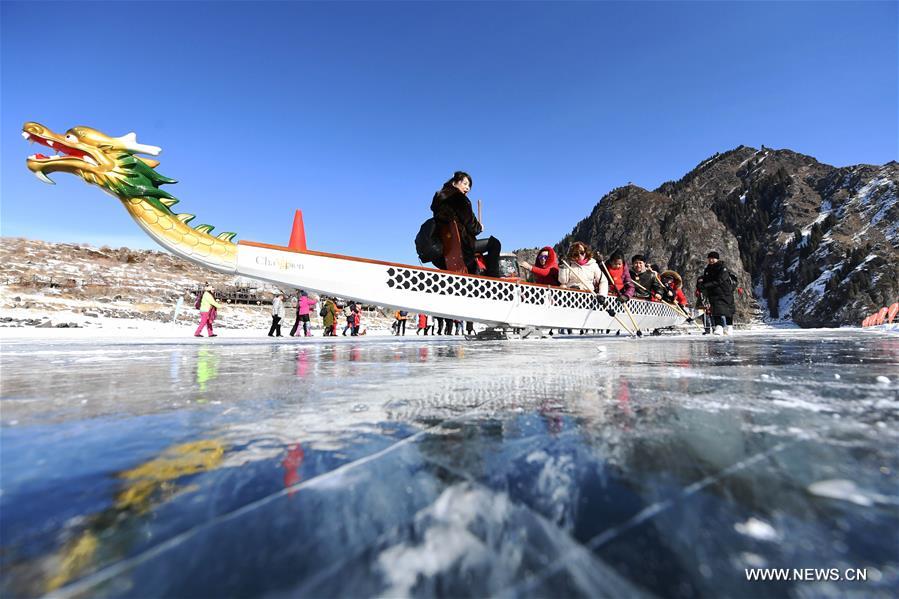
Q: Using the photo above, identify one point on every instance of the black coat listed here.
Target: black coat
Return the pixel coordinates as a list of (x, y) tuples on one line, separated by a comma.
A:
[(450, 204), (718, 288), (648, 282)]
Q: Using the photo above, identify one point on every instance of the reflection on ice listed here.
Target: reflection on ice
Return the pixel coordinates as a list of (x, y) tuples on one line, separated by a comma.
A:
[(420, 467)]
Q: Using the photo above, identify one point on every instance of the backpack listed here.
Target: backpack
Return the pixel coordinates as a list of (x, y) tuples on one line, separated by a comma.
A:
[(730, 282), (323, 311), (199, 300), (427, 244)]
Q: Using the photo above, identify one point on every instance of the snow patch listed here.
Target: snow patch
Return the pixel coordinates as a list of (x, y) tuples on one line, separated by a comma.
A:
[(785, 304), (757, 529), (841, 489), (817, 286), (789, 401), (867, 192), (447, 540), (808, 229)]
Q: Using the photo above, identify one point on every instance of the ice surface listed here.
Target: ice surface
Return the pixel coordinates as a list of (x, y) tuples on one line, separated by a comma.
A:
[(579, 466)]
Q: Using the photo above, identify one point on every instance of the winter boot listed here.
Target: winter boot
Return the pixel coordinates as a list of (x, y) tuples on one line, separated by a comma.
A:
[(719, 330), (729, 330)]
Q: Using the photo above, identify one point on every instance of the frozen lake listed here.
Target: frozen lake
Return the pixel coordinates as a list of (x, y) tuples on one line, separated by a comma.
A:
[(570, 467)]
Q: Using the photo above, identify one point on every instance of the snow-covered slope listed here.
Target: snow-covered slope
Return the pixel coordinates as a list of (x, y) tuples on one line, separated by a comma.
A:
[(75, 285)]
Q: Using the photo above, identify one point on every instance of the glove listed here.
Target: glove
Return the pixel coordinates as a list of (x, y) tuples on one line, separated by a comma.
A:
[(623, 298), (611, 312)]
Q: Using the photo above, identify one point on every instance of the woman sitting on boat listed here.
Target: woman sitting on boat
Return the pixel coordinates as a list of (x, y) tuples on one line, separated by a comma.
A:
[(545, 268), (581, 271), (458, 229)]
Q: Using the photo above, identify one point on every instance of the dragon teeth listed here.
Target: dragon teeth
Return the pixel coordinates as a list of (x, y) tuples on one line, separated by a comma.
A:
[(89, 160), (26, 135), (49, 143), (40, 175)]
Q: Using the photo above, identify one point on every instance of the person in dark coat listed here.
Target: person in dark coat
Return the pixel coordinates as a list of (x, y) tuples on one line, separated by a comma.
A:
[(718, 289), (646, 283), (451, 205)]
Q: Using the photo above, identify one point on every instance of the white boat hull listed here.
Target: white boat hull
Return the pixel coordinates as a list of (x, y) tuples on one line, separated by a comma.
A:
[(487, 300)]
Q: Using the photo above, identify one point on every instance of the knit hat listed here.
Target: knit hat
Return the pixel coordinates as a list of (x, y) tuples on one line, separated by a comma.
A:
[(714, 255)]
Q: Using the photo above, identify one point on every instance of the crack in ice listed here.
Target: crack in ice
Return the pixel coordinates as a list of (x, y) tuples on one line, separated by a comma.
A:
[(645, 514)]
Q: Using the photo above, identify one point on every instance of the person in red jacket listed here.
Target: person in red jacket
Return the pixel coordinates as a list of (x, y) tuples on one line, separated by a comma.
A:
[(545, 267), (674, 282), (620, 283), (357, 320)]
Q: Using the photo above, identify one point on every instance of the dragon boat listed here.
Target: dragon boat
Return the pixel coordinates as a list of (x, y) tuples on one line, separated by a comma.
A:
[(114, 165)]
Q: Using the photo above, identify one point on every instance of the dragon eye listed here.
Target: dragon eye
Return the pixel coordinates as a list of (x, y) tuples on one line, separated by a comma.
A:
[(70, 137)]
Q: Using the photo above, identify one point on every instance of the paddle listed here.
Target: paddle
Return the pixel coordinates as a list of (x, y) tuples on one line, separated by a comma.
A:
[(623, 303), (673, 305), (609, 310)]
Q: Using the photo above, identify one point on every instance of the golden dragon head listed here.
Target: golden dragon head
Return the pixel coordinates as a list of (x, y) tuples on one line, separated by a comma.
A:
[(108, 162)]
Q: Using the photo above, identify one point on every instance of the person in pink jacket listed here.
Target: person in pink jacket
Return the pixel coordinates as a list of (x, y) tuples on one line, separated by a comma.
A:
[(304, 308), (208, 308)]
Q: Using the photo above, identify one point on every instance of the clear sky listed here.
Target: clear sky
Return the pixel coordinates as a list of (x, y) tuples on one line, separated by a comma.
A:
[(357, 112)]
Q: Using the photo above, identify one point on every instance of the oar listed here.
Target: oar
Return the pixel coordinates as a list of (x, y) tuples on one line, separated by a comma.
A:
[(623, 304), (585, 284), (673, 305)]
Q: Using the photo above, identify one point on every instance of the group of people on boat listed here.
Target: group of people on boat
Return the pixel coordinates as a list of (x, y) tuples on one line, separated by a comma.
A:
[(611, 277), (456, 248)]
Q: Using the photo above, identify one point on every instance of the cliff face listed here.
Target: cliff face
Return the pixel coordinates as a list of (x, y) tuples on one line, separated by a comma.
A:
[(811, 243)]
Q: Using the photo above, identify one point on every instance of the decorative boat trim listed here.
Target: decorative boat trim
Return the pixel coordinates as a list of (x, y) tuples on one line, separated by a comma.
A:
[(459, 296)]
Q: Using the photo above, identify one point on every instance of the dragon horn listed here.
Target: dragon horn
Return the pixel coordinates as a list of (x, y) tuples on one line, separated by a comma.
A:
[(129, 142)]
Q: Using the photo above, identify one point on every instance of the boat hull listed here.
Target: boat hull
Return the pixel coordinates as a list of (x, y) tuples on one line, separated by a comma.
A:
[(487, 300)]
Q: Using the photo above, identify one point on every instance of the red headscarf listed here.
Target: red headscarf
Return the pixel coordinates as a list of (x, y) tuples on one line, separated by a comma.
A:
[(548, 274)]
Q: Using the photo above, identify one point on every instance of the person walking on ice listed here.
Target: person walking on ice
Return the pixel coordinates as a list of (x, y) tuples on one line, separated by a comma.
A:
[(718, 285), (304, 309), (277, 315), (207, 305)]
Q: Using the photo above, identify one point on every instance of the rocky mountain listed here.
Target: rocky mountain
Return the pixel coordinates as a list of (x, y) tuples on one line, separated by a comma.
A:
[(811, 243)]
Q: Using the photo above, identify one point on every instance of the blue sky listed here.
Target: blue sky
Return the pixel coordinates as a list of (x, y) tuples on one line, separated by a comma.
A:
[(357, 112)]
